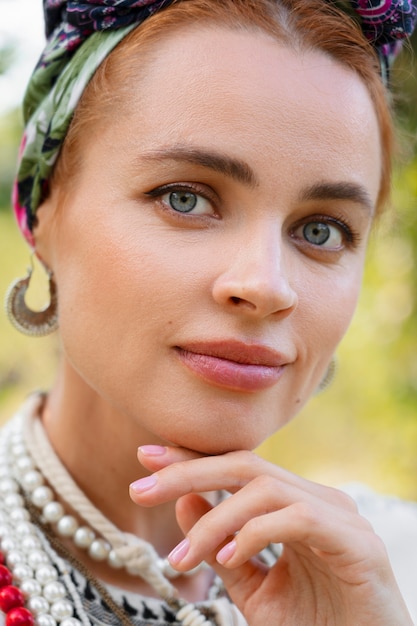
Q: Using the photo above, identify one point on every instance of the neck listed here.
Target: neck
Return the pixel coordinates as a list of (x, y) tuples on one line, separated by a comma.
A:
[(97, 444)]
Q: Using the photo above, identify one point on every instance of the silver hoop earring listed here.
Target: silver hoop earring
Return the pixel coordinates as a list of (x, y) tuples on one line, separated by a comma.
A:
[(329, 376), (28, 322)]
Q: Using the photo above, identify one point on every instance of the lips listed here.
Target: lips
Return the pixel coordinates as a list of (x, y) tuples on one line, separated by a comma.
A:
[(233, 365)]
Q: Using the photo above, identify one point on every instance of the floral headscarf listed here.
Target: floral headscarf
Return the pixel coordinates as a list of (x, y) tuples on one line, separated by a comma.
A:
[(81, 33)]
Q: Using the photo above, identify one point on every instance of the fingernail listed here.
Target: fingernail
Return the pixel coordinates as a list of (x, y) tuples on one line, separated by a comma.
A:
[(144, 484), (226, 552), (152, 450), (179, 552)]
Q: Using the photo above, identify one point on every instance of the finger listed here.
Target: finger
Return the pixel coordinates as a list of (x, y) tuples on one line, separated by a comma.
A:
[(155, 457), (189, 509), (350, 552), (242, 580), (230, 472), (255, 500), (323, 533), (192, 476)]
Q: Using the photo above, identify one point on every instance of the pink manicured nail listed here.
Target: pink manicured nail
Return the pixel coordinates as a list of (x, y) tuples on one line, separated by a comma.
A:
[(226, 552), (144, 484), (179, 552), (152, 450)]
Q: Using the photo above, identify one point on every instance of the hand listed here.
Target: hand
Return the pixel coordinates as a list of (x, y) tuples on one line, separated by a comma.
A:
[(333, 571)]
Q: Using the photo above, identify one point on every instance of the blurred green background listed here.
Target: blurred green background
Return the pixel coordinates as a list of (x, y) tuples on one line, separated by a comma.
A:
[(364, 428)]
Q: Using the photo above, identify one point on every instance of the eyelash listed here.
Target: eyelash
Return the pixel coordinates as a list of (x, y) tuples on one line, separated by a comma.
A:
[(351, 237)]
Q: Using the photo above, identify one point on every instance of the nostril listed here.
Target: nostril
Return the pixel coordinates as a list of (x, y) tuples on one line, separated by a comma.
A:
[(241, 302)]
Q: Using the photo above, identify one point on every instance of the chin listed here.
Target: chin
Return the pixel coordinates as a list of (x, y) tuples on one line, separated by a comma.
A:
[(211, 444)]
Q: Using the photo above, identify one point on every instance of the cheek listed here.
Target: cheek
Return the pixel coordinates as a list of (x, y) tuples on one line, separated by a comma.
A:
[(120, 291), (327, 301), (99, 294), (326, 308)]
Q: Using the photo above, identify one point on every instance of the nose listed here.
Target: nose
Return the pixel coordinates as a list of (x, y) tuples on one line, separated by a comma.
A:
[(256, 282)]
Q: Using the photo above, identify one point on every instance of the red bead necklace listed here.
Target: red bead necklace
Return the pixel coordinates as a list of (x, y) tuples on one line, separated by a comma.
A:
[(12, 599)]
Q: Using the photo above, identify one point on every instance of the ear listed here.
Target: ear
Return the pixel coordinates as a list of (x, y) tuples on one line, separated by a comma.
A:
[(44, 231)]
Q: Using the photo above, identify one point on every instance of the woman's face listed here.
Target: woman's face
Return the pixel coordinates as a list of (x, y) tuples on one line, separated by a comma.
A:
[(210, 251)]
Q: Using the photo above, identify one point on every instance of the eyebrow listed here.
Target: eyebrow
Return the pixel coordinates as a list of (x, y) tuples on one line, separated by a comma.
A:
[(339, 191), (216, 161), (239, 170)]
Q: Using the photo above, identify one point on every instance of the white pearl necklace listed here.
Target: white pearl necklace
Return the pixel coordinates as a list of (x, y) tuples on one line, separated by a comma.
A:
[(31, 567), (67, 526), (26, 549)]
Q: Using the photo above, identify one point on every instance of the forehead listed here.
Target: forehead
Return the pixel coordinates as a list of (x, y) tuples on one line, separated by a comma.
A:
[(246, 93)]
